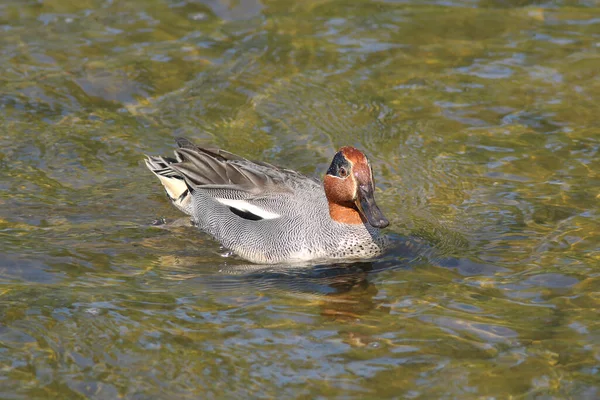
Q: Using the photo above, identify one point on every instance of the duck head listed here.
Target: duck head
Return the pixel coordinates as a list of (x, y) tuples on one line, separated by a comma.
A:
[(349, 187)]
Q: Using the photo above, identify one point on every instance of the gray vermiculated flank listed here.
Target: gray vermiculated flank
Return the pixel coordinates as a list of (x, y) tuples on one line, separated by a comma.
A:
[(304, 229)]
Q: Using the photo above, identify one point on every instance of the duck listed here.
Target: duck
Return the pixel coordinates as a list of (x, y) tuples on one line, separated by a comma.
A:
[(271, 215)]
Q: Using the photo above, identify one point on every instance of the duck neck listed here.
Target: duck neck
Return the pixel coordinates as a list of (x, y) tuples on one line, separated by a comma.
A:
[(345, 214)]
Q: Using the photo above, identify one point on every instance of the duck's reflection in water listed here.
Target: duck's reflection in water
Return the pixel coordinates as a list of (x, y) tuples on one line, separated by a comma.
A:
[(342, 290), (318, 279)]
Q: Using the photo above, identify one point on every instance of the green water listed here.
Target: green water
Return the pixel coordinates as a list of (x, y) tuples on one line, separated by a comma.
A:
[(481, 120)]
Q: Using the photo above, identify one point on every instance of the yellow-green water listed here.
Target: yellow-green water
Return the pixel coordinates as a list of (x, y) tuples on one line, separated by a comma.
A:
[(480, 119)]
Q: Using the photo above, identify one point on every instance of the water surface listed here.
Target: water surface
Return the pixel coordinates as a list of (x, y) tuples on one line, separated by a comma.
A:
[(480, 119)]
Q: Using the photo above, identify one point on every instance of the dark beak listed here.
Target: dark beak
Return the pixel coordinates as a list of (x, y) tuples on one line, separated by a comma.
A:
[(365, 202)]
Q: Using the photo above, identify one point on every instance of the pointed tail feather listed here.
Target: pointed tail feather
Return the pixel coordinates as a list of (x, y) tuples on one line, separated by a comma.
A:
[(175, 185)]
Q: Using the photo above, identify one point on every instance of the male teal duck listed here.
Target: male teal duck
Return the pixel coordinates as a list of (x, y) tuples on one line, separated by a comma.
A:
[(266, 214)]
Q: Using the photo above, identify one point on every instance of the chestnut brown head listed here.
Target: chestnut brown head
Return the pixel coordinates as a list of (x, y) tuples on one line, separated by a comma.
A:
[(349, 187)]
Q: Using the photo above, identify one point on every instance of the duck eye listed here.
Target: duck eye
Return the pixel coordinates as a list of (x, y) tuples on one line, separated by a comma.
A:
[(342, 172)]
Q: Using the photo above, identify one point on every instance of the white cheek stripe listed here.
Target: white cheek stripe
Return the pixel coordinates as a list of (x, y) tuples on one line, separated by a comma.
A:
[(243, 205)]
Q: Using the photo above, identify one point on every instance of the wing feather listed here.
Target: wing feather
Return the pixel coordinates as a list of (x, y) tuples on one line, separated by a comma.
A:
[(247, 187)]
